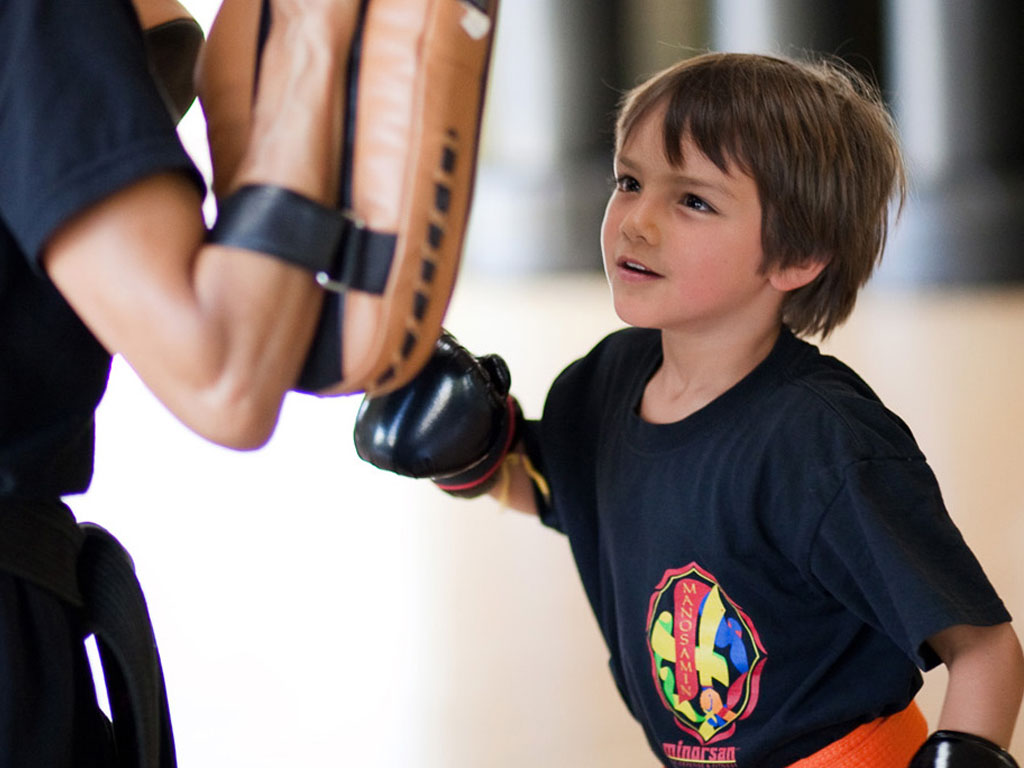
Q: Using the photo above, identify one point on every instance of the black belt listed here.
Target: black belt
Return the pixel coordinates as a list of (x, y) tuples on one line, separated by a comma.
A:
[(89, 569)]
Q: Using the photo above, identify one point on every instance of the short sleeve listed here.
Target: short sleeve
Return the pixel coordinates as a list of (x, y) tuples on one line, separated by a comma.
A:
[(80, 116), (561, 446), (888, 550)]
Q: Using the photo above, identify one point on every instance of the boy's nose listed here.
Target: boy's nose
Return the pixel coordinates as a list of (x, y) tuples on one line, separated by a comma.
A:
[(639, 223)]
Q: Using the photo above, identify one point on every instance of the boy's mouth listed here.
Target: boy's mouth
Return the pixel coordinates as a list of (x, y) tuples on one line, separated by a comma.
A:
[(635, 267)]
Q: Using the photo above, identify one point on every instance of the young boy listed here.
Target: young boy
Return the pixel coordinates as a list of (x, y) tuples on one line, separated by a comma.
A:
[(762, 542)]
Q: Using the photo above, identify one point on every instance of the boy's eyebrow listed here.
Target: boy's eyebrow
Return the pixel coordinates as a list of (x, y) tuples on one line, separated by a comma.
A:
[(681, 178)]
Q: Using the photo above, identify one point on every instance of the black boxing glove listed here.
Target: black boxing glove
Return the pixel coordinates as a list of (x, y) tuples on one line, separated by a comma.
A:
[(454, 423), (953, 749)]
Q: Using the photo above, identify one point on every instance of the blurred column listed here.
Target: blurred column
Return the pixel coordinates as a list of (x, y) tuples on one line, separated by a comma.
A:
[(850, 30), (958, 76), (545, 157), (658, 33), (559, 69), (953, 74)]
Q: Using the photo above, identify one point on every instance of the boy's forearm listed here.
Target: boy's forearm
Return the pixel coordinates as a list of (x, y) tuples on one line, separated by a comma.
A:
[(986, 681), (516, 489)]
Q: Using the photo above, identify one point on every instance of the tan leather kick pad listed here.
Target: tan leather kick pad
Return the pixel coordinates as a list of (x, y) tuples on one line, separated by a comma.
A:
[(423, 71)]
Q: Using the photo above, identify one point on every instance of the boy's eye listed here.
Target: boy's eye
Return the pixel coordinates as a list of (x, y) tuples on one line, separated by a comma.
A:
[(696, 203), (626, 184)]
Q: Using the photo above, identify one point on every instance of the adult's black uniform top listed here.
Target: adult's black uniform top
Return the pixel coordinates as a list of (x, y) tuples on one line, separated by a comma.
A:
[(80, 118), (765, 572)]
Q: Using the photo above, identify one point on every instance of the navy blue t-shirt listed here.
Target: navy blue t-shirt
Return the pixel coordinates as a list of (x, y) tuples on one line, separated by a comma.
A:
[(80, 118), (766, 571)]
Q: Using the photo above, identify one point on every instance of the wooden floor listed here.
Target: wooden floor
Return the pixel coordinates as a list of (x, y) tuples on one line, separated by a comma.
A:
[(313, 611)]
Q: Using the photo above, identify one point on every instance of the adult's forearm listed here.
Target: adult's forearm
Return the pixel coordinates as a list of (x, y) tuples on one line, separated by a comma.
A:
[(267, 309), (297, 121), (219, 334)]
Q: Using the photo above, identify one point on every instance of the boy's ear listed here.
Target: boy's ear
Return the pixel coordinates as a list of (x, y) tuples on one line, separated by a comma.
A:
[(790, 278)]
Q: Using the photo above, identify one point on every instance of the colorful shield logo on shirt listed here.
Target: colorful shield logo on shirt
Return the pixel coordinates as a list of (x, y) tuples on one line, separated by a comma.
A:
[(706, 656)]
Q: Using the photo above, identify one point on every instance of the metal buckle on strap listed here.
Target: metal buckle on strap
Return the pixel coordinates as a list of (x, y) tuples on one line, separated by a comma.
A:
[(337, 280), (336, 246)]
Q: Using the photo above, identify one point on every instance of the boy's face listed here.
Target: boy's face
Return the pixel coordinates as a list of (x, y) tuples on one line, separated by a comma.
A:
[(682, 245)]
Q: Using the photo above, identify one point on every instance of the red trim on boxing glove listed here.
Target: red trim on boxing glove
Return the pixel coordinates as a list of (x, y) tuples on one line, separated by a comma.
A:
[(480, 483)]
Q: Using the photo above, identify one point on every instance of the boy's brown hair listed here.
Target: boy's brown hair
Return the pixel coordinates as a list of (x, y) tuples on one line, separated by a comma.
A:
[(819, 144)]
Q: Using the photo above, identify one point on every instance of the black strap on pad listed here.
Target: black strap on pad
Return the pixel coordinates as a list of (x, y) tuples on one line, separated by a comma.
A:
[(282, 223), (172, 49)]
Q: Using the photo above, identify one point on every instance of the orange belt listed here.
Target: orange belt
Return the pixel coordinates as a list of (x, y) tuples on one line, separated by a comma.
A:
[(888, 742)]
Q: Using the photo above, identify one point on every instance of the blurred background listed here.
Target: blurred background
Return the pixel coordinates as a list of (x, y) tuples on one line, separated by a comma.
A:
[(314, 611)]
